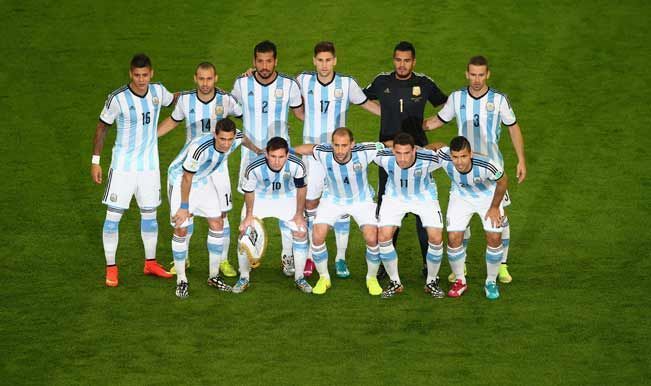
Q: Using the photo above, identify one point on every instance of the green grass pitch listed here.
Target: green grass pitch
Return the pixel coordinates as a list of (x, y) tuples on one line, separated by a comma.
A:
[(576, 312)]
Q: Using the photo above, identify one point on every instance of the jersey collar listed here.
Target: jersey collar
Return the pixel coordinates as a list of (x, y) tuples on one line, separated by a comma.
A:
[(326, 84), (262, 84), (272, 169), (479, 97), (136, 94), (210, 100)]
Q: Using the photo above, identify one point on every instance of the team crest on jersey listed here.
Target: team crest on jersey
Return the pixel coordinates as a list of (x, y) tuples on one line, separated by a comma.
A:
[(357, 166), (490, 106), (477, 180), (285, 175), (339, 93), (418, 173), (155, 101), (219, 110), (114, 197), (415, 91), (279, 93)]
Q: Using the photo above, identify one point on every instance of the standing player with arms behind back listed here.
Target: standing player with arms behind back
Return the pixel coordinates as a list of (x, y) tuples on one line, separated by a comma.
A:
[(327, 96), (201, 109), (266, 97), (480, 111), (134, 167)]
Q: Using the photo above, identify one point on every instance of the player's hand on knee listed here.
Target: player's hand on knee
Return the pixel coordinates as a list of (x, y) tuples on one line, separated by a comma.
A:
[(180, 217), (495, 216), (96, 173)]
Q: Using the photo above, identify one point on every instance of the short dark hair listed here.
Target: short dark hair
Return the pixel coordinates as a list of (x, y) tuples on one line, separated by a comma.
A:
[(324, 47), (206, 66), (140, 61), (341, 131), (460, 143), (277, 143), (478, 61), (224, 124), (405, 46), (403, 138), (265, 46)]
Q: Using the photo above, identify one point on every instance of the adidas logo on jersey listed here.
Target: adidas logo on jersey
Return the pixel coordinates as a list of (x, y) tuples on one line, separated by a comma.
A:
[(387, 91), (310, 92), (191, 111), (250, 93), (463, 107), (131, 108)]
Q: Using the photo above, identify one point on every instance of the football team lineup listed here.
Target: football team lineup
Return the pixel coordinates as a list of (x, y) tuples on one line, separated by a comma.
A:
[(323, 189)]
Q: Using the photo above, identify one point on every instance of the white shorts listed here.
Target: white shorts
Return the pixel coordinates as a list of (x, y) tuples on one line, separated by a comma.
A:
[(222, 181), (204, 201), (363, 212), (460, 211), (283, 208), (315, 178), (121, 186), (393, 210), (506, 201)]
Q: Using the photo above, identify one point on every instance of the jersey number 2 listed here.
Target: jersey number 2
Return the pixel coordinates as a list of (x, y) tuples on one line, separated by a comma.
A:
[(265, 104)]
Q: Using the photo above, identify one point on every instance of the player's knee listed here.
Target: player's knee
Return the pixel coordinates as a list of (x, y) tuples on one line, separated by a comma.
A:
[(455, 239), (299, 236), (181, 232), (494, 239), (216, 223)]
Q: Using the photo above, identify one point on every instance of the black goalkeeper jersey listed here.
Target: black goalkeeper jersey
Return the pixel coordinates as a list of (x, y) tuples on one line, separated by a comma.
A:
[(403, 103)]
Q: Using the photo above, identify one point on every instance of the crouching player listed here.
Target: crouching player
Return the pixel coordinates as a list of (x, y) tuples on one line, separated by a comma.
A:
[(191, 192), (347, 192), (274, 186), (478, 186), (410, 189)]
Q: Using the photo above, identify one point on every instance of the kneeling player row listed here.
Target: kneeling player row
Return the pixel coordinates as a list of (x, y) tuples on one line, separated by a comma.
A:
[(275, 185)]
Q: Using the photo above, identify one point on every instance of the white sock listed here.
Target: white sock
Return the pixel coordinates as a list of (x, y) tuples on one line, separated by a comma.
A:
[(149, 231), (110, 234), (310, 215), (320, 257), (493, 260), (286, 238), (300, 256), (506, 239), (243, 263), (372, 261), (466, 237), (434, 257), (342, 232), (227, 240), (457, 259), (389, 259), (188, 236), (179, 252), (215, 243)]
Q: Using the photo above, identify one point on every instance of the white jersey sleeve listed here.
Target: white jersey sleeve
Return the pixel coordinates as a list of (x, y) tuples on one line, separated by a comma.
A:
[(249, 181), (194, 158), (178, 114), (506, 113), (355, 93), (233, 106), (110, 111), (295, 98), (435, 162), (447, 112), (237, 91), (166, 97), (495, 171)]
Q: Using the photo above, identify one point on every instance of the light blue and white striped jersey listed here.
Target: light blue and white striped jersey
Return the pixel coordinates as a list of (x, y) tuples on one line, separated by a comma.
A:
[(480, 119), (414, 182), (271, 184), (347, 183), (136, 142), (326, 105), (200, 157), (478, 182), (201, 117), (265, 108)]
